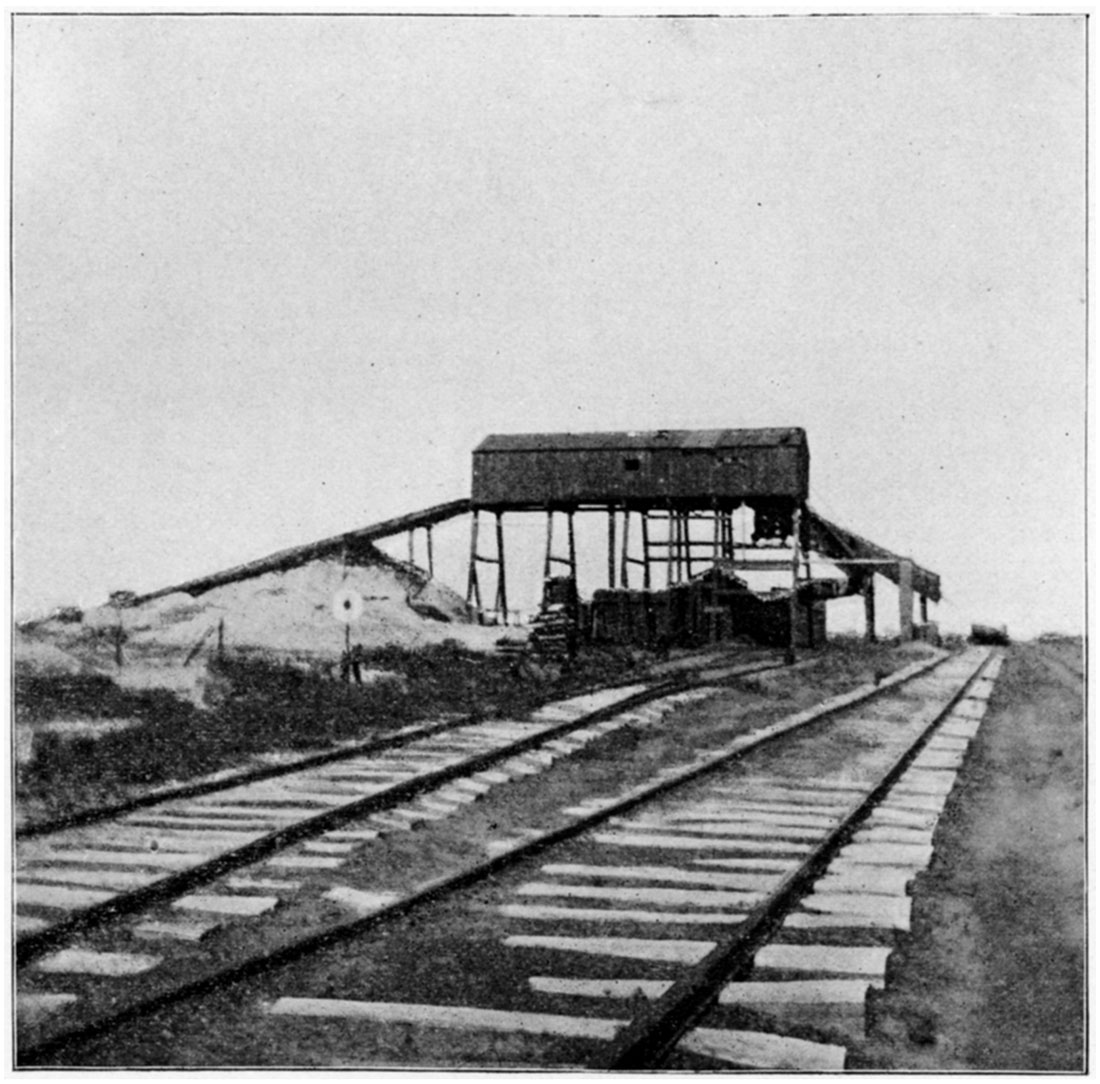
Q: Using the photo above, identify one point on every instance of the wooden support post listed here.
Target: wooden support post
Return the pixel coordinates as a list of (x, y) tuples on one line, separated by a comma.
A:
[(869, 608), (687, 544), (712, 593), (549, 544), (611, 548), (681, 546), (795, 557), (905, 598), (624, 573), (412, 550), (473, 589), (502, 593), (221, 637), (431, 561), (572, 549), (924, 609), (645, 549), (673, 553)]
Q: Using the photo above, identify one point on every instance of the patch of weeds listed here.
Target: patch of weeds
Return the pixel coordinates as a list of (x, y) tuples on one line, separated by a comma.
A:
[(70, 773), (265, 705), (39, 698)]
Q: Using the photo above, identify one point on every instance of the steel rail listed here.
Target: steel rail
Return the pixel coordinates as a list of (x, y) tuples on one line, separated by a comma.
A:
[(33, 945), (211, 785), (342, 931), (249, 775), (651, 1037)]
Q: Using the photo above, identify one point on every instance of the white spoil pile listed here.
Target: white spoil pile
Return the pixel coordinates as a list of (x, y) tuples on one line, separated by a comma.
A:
[(31, 656), (287, 614), (292, 612)]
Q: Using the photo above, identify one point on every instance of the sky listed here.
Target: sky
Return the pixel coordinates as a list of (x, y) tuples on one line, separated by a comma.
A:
[(275, 277)]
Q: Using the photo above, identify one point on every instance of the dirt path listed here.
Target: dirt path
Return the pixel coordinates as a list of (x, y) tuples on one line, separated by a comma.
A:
[(992, 978)]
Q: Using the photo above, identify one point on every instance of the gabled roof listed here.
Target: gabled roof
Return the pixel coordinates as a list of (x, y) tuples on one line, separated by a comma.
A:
[(645, 440)]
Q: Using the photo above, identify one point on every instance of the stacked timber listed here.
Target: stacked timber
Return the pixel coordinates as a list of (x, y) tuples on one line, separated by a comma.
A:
[(554, 628), (621, 616)]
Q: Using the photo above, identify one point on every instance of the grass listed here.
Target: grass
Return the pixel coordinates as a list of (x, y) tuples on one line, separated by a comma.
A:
[(264, 706), (268, 706)]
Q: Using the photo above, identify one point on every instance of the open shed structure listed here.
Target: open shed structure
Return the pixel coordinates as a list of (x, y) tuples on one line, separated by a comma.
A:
[(678, 503)]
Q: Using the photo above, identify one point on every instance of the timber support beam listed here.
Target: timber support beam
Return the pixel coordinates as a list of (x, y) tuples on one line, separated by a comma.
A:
[(905, 598)]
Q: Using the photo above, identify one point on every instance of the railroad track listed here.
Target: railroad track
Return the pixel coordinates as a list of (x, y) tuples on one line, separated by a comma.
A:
[(771, 849), (73, 880), (660, 676)]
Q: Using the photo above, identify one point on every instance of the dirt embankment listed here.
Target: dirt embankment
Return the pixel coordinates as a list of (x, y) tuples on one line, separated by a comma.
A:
[(289, 612), (992, 978), (167, 642)]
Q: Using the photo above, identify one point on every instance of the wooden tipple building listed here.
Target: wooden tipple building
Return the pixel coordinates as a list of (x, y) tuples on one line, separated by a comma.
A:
[(690, 514)]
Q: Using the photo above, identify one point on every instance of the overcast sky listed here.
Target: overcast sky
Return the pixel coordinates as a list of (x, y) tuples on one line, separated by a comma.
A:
[(275, 277)]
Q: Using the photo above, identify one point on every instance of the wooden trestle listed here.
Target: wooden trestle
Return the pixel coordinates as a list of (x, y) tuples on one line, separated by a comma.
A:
[(667, 553)]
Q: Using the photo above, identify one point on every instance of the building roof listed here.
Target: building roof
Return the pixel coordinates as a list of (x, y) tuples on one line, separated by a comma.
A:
[(642, 440)]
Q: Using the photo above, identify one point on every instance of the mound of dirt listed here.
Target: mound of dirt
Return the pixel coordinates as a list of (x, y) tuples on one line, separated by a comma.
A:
[(41, 658), (291, 612)]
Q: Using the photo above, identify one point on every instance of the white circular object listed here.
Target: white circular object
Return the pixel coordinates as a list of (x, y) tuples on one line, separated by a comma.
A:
[(347, 606)]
